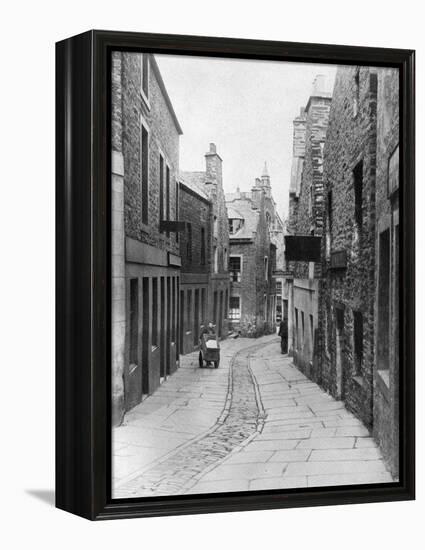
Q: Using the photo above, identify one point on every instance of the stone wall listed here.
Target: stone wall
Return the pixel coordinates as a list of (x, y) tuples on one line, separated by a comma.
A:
[(197, 211), (255, 289), (163, 139), (350, 139), (307, 215), (145, 262), (386, 383)]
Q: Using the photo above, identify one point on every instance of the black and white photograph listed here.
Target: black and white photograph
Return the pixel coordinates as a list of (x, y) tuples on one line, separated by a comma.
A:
[(255, 275)]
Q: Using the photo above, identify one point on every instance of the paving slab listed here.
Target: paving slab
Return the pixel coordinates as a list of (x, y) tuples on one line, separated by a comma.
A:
[(255, 423)]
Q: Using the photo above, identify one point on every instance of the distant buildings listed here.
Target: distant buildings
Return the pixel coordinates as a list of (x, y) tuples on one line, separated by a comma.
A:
[(195, 209), (204, 294), (306, 219), (253, 230)]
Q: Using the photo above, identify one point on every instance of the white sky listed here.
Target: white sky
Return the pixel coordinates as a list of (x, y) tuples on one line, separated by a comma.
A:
[(246, 108)]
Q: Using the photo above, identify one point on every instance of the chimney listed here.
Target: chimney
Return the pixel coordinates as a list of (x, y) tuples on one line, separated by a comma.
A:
[(213, 168)]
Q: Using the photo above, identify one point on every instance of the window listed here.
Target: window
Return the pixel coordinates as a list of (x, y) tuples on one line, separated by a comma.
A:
[(134, 320), (167, 196), (234, 225), (268, 219), (215, 260), (202, 245), (311, 201), (215, 227), (226, 304), (329, 226), (235, 308), (266, 268), (358, 343), (235, 268), (279, 287), (393, 171), (144, 75), (265, 307), (356, 100), (161, 188), (177, 216), (154, 312), (358, 195), (189, 242), (144, 171)]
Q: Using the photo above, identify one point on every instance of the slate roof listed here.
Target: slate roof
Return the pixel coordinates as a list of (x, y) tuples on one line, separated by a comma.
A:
[(244, 208), (195, 181)]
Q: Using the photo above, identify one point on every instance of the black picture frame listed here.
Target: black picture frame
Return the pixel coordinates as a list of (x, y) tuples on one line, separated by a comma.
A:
[(83, 415)]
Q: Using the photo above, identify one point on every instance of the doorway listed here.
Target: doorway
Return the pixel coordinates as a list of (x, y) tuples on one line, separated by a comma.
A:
[(339, 348)]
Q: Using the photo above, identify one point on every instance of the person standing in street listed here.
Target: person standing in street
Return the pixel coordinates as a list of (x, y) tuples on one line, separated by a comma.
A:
[(283, 333)]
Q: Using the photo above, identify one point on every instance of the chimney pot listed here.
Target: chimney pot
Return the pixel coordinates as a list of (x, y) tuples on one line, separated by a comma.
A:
[(213, 148)]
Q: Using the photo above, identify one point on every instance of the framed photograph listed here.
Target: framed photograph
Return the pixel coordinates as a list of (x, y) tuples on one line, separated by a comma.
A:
[(235, 275)]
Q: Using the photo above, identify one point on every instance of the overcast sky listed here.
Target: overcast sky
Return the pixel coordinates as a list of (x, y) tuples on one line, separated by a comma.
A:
[(246, 108)]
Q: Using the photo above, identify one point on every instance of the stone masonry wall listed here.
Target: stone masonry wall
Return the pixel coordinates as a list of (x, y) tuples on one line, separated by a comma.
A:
[(351, 138), (214, 189), (197, 211), (253, 285), (386, 396), (309, 210), (163, 139)]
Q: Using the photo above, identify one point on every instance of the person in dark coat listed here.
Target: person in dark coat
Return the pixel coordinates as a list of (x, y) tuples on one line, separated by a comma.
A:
[(283, 333)]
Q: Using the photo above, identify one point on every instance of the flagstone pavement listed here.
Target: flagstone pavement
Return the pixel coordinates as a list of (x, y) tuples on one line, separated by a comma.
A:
[(254, 423)]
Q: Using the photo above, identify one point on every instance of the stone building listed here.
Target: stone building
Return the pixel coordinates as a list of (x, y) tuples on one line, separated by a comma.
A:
[(146, 258), (386, 307), (195, 209), (210, 185), (305, 219), (348, 246), (253, 228)]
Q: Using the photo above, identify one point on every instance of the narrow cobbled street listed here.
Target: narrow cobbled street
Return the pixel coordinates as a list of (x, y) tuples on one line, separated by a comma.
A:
[(256, 422)]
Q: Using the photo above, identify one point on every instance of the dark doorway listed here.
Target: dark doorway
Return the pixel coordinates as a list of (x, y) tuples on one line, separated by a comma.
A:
[(220, 314), (383, 348), (339, 348), (215, 308), (181, 322), (145, 337), (196, 319), (162, 369), (168, 336)]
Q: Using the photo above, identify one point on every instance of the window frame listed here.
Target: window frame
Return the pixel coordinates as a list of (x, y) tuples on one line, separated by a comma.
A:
[(145, 206), (240, 256), (231, 316)]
